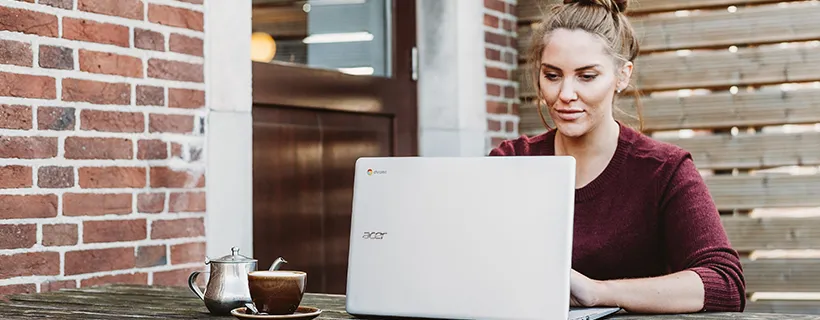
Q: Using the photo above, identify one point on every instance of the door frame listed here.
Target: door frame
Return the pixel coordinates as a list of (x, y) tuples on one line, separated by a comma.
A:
[(287, 85)]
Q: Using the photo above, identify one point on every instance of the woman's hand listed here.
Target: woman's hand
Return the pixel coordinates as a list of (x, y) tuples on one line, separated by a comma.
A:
[(584, 292)]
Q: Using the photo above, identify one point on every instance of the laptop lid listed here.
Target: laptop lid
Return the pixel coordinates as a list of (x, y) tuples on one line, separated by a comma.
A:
[(461, 238)]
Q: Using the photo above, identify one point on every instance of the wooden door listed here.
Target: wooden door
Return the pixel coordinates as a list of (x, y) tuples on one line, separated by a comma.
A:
[(309, 127)]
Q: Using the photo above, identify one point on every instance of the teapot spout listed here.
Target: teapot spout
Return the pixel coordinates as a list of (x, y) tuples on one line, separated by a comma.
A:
[(277, 263)]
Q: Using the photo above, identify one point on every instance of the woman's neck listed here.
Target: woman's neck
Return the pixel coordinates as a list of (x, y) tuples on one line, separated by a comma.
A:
[(601, 141)]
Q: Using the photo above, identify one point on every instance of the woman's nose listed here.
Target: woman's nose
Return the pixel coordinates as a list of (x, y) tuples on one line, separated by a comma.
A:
[(567, 93)]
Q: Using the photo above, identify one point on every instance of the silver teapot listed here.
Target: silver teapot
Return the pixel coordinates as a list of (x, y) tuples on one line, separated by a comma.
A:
[(227, 287)]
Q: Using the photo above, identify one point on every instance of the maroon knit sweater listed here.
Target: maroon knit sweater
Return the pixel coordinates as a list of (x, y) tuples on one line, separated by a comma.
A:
[(647, 214)]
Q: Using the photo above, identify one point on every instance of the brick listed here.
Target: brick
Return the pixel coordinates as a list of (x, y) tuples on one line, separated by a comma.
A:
[(497, 73), (92, 31), (30, 263), (79, 204), (15, 117), (492, 54), (509, 58), (494, 107), (25, 288), (29, 22), (53, 57), (28, 206), (493, 125), (27, 86), (164, 177), (89, 261), (17, 236), (188, 253), (511, 10), (151, 202), (63, 4), (16, 53), (493, 90), (112, 177), (131, 9), (58, 119), (151, 256), (496, 5), (150, 96), (176, 150), (114, 231), (60, 234), (12, 177), (128, 278), (57, 285), (98, 148), (55, 177), (152, 150), (175, 70), (177, 277), (509, 92), (173, 123), (28, 147), (508, 25), (184, 44), (96, 92), (175, 17), (112, 121), (187, 202), (509, 126), (186, 98), (110, 63), (148, 40), (179, 228), (494, 38), (490, 21)]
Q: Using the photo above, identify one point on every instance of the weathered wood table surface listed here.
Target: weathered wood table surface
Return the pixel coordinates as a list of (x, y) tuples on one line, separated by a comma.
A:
[(145, 302)]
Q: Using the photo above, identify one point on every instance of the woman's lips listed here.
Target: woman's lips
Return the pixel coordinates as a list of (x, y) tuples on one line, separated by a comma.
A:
[(569, 114)]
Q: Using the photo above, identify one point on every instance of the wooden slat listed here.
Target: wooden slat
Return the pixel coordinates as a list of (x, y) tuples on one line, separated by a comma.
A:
[(782, 275), (530, 10), (752, 151), (772, 191), (748, 234), (722, 110), (758, 25), (717, 69), (784, 306)]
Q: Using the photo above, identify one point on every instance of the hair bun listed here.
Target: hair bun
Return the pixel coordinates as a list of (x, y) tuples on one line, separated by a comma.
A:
[(611, 5)]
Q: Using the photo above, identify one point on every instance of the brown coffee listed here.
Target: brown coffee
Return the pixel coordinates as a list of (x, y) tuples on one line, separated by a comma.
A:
[(277, 292)]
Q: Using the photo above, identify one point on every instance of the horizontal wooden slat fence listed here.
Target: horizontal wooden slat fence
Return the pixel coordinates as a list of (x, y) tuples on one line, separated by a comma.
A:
[(722, 82)]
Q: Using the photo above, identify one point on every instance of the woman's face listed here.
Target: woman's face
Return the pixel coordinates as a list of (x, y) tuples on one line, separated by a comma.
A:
[(578, 80)]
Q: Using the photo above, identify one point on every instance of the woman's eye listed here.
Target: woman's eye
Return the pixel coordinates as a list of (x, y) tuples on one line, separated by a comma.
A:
[(551, 76), (588, 77)]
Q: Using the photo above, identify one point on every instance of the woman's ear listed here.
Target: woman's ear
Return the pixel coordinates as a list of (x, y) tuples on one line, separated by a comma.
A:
[(625, 76)]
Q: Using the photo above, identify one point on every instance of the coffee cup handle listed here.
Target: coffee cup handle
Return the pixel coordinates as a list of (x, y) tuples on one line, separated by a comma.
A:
[(192, 285)]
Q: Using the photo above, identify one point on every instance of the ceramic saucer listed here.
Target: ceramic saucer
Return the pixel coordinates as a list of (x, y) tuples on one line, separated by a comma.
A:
[(302, 313)]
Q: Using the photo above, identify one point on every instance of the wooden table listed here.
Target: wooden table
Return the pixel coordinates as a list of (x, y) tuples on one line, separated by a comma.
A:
[(145, 302)]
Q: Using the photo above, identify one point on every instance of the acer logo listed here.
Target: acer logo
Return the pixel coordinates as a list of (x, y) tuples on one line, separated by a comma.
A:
[(374, 235)]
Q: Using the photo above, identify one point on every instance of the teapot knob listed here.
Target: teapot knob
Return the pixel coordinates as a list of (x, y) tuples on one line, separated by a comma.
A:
[(234, 251)]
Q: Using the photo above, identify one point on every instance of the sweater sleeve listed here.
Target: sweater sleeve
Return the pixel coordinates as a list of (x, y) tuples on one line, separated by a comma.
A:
[(695, 239)]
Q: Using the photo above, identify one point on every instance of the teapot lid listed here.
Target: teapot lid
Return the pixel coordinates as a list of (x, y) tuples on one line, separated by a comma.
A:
[(234, 257)]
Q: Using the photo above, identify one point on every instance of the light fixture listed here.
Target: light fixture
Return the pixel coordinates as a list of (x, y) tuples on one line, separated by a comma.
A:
[(263, 47), (339, 37)]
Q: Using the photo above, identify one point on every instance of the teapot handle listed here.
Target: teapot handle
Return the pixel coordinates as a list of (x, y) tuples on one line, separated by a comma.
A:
[(192, 285)]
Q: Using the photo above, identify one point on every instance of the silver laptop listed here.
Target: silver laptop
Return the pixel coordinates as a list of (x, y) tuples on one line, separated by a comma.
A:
[(463, 238)]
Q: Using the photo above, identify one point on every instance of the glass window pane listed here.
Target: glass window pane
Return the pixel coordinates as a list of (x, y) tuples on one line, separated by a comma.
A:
[(347, 35)]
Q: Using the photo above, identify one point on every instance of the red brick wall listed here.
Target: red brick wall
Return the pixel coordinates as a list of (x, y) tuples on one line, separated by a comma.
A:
[(101, 137), (501, 60)]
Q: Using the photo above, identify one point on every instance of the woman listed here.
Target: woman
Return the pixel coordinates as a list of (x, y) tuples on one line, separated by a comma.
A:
[(648, 237)]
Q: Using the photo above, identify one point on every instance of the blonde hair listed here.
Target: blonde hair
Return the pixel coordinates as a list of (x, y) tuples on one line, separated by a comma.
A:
[(602, 18)]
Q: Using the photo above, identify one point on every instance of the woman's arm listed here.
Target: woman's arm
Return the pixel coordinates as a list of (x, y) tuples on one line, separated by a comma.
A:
[(704, 271), (680, 292)]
